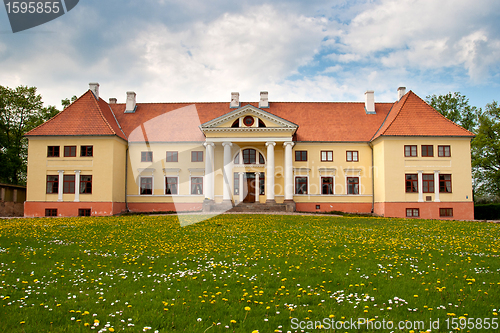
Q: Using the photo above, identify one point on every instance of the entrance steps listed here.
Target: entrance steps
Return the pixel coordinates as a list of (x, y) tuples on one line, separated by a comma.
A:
[(259, 207)]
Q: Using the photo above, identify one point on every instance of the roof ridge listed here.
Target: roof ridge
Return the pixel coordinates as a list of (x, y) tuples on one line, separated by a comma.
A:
[(57, 115), (377, 134), (382, 125), (96, 100)]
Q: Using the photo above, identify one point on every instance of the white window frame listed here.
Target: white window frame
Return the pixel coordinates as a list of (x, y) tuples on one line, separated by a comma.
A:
[(152, 185), (295, 185), (347, 184), (321, 184), (202, 185), (165, 185)]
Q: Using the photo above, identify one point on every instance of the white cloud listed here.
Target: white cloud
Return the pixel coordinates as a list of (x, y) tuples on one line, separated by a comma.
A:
[(423, 34), (234, 52)]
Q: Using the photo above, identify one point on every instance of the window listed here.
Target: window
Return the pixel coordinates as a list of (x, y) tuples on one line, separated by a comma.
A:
[(411, 183), (50, 212), (248, 121), (326, 185), (171, 185), (410, 151), (146, 156), (327, 156), (301, 185), (68, 184), (146, 185), (52, 184), (445, 212), (444, 151), (53, 151), (196, 156), (301, 155), (84, 212), (69, 151), (427, 151), (412, 212), (352, 156), (237, 159), (352, 185), (86, 151), (261, 159), (262, 184), (236, 179), (428, 183), (85, 184), (249, 156), (196, 185), (444, 183)]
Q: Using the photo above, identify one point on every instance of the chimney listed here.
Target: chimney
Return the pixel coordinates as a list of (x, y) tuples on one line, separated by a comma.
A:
[(94, 87), (131, 103), (235, 100), (112, 101), (370, 102), (401, 92), (264, 100)]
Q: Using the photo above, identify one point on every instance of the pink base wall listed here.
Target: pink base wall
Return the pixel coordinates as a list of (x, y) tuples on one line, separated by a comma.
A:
[(428, 210), (360, 208), (37, 209), (137, 207)]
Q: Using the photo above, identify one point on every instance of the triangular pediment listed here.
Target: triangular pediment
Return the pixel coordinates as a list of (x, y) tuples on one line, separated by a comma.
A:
[(262, 121)]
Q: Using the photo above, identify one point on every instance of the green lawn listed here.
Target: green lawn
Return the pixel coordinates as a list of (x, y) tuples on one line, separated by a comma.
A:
[(242, 273)]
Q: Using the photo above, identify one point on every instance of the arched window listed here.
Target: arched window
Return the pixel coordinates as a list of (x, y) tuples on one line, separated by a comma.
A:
[(237, 159), (261, 123), (236, 123), (249, 156), (261, 159)]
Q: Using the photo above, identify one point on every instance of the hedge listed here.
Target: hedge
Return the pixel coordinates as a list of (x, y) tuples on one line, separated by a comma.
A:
[(487, 211)]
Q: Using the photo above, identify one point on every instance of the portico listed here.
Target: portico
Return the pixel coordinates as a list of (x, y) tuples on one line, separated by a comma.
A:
[(256, 156)]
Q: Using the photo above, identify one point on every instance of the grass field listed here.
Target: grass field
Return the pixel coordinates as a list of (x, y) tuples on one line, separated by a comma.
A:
[(247, 273)]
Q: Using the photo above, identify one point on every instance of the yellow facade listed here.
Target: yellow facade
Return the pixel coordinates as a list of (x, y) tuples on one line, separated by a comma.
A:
[(106, 167), (391, 166)]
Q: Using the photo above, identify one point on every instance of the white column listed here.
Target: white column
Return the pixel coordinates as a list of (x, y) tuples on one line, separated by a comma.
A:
[(420, 187), (77, 185), (257, 186), (60, 189), (436, 186), (209, 171), (288, 170), (240, 174), (226, 172), (270, 171)]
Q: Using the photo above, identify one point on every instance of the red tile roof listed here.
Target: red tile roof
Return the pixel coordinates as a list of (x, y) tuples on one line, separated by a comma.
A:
[(320, 122), (411, 116), (85, 116), (317, 121)]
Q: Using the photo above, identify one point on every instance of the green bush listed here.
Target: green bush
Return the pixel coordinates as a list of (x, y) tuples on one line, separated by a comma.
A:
[(487, 211)]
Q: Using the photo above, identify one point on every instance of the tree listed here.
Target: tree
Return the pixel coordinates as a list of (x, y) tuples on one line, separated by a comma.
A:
[(456, 108), (21, 109), (66, 102), (486, 151)]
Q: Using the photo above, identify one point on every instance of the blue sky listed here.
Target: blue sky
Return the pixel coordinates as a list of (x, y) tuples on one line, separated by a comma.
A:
[(191, 51)]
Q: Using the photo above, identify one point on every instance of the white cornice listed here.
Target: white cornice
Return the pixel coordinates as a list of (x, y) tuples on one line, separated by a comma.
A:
[(248, 109)]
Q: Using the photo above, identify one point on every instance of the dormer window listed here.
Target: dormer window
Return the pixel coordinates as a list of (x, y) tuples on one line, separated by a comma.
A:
[(248, 121)]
